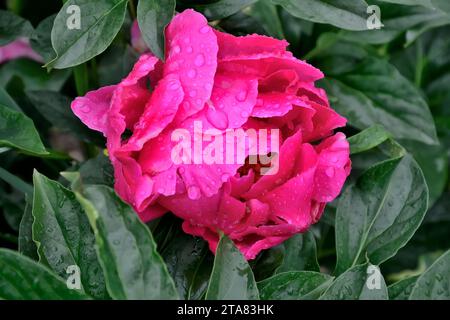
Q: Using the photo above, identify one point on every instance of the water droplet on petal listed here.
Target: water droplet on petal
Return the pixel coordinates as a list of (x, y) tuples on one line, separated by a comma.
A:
[(244, 114), (189, 49), (199, 60), (174, 86), (192, 73), (192, 93), (241, 96), (193, 192), (86, 109), (204, 29), (225, 177), (177, 49), (329, 172), (217, 118)]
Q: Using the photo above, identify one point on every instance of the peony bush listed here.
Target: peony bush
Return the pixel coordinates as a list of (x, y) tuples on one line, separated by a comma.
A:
[(273, 150)]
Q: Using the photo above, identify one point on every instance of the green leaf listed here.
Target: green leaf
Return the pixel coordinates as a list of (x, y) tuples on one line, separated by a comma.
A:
[(27, 246), (300, 253), (42, 41), (153, 16), (368, 139), (7, 101), (18, 131), (55, 108), (133, 269), (267, 262), (401, 290), (376, 93), (378, 214), (398, 19), (298, 285), (15, 182), (433, 284), (219, 9), (433, 160), (32, 75), (97, 171), (63, 235), (184, 256), (266, 13), (357, 283), (350, 15), (13, 27), (231, 278), (100, 21), (23, 279)]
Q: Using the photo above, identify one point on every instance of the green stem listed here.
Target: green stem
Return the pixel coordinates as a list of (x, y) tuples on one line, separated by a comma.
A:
[(81, 79), (94, 73), (132, 10)]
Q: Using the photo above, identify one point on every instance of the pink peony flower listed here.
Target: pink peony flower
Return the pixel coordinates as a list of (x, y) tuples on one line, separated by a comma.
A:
[(223, 83), (19, 48)]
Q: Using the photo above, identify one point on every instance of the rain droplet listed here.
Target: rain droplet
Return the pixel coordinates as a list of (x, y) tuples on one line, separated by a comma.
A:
[(225, 177), (192, 93), (177, 49), (189, 49), (174, 86), (199, 60), (217, 118), (244, 114), (241, 96), (204, 29), (86, 109), (330, 172), (192, 73), (193, 192)]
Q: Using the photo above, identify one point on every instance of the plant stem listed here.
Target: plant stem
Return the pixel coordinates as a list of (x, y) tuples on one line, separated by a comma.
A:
[(81, 79), (132, 10)]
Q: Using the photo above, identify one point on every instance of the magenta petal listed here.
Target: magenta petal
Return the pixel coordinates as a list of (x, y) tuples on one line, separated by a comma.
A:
[(276, 104), (19, 48), (333, 167), (232, 47), (191, 54), (291, 201), (287, 159), (93, 108), (158, 114), (232, 101)]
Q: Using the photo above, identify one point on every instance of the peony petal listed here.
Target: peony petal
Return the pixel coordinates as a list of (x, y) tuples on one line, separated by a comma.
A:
[(159, 113), (231, 46), (19, 48), (333, 167), (291, 201), (92, 109), (287, 158), (232, 101), (276, 104), (191, 54), (265, 64)]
